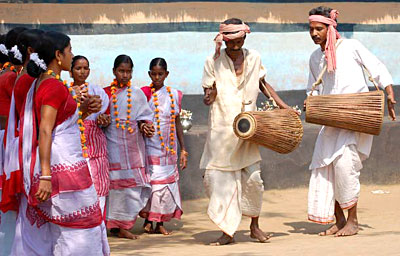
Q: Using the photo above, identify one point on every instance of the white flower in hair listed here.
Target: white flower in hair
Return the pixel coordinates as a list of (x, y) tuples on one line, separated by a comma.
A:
[(17, 53), (39, 62), (3, 49)]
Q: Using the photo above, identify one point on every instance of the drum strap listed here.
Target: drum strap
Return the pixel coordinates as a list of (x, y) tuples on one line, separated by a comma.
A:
[(262, 81), (320, 81)]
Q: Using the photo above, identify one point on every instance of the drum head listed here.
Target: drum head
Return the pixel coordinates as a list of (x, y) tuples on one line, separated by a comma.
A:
[(245, 125)]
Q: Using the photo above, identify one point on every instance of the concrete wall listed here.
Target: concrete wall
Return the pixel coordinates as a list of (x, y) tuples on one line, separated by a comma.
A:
[(182, 32)]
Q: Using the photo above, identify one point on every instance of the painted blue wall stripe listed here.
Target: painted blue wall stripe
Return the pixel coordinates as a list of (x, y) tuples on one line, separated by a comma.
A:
[(94, 29)]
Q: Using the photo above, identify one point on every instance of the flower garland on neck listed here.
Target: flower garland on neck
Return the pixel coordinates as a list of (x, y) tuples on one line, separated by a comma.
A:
[(114, 86), (158, 121), (8, 64), (80, 121)]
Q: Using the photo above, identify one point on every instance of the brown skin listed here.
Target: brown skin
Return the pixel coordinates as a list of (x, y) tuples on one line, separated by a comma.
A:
[(343, 227), (158, 75), (89, 103), (234, 51), (48, 119), (318, 33)]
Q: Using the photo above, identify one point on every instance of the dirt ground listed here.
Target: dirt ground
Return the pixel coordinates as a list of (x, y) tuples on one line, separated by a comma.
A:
[(283, 215)]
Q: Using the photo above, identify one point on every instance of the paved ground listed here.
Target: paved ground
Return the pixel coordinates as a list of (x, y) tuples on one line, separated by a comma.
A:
[(283, 215)]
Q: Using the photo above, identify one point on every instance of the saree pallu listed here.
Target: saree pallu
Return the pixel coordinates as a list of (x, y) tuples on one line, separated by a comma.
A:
[(129, 180), (97, 157), (73, 206), (12, 174), (165, 200)]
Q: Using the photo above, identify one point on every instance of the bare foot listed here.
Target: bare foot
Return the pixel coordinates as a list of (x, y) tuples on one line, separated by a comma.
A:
[(148, 227), (123, 233), (223, 240), (333, 229), (350, 229), (160, 229), (257, 233)]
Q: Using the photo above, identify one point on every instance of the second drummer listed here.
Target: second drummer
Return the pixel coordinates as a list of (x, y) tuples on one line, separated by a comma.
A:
[(232, 178), (338, 153)]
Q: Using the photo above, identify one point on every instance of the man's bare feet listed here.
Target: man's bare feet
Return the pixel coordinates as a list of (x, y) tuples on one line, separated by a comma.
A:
[(223, 240), (333, 229), (257, 233), (160, 229), (123, 233), (350, 229), (148, 227)]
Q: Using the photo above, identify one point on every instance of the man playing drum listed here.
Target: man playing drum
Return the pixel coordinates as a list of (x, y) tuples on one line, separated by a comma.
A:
[(338, 153), (231, 82)]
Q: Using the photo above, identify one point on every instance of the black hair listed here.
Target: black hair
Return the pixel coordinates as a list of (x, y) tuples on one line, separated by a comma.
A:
[(11, 40), (3, 57), (76, 58), (28, 38), (158, 62), (321, 10), (122, 59), (235, 21), (50, 42)]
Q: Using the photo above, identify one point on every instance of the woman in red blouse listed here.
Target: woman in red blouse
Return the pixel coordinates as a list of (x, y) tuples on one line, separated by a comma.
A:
[(60, 214)]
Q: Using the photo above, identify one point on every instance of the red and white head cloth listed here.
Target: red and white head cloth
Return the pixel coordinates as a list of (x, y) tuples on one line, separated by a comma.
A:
[(333, 34), (229, 32)]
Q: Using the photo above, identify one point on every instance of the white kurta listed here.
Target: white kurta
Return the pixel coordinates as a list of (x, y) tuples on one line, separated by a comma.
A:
[(223, 150), (348, 78)]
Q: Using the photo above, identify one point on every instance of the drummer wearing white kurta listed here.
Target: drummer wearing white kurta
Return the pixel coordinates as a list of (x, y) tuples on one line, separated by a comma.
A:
[(232, 179), (338, 153)]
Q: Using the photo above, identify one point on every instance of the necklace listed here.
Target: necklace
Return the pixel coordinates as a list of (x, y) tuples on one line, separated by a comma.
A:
[(114, 86), (8, 64), (169, 148), (80, 121)]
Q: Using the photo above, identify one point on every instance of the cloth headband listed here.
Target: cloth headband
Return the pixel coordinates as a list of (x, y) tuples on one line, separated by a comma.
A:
[(235, 31), (332, 35)]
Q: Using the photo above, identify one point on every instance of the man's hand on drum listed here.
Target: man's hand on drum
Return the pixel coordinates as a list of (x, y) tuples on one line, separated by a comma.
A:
[(210, 94)]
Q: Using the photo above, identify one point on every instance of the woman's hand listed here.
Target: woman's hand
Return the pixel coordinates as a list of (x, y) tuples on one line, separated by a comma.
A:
[(94, 104), (103, 120), (147, 129), (183, 159), (44, 191)]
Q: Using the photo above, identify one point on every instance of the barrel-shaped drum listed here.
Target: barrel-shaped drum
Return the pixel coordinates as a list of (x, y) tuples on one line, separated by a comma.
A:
[(361, 112), (279, 129)]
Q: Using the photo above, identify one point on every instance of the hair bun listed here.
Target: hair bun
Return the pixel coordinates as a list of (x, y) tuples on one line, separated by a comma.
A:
[(33, 69)]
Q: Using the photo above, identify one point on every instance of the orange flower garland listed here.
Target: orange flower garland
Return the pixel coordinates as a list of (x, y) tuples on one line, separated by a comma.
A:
[(80, 121), (114, 86), (8, 64), (158, 121)]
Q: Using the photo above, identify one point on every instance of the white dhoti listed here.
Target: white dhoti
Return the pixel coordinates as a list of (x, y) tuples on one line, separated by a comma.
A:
[(339, 181), (233, 194)]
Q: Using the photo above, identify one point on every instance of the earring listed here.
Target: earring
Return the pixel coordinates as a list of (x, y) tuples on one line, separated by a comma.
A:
[(59, 62)]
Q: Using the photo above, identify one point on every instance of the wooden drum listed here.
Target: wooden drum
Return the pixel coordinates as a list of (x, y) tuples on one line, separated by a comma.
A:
[(360, 112), (279, 129)]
